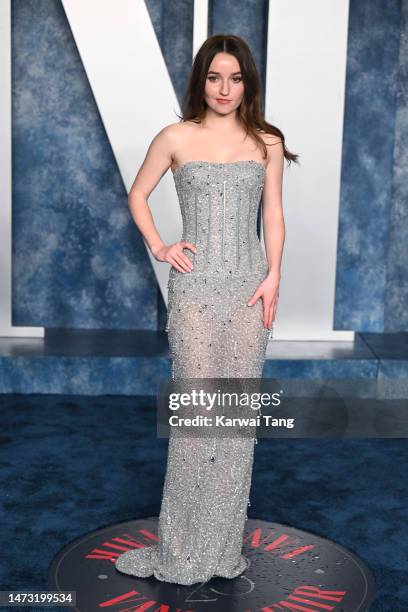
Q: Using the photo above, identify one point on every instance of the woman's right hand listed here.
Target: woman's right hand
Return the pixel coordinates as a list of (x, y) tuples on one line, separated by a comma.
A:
[(175, 256)]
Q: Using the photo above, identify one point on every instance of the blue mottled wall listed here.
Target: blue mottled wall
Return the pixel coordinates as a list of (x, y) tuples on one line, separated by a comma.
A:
[(368, 170), (396, 288), (78, 258), (78, 261)]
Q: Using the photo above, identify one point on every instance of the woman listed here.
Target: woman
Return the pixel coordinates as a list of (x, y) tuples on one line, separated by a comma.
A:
[(223, 295)]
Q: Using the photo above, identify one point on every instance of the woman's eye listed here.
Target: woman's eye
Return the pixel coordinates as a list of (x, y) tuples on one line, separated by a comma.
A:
[(235, 79)]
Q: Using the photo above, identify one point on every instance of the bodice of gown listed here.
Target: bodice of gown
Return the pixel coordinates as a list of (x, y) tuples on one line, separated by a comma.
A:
[(219, 205)]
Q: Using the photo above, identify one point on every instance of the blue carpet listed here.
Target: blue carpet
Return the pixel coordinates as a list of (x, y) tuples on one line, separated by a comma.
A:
[(72, 464)]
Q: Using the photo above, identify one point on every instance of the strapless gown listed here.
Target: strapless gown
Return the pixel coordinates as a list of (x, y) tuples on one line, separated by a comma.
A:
[(212, 334)]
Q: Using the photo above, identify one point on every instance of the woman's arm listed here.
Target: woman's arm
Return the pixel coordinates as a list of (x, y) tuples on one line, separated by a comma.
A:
[(273, 230), (272, 210), (157, 161)]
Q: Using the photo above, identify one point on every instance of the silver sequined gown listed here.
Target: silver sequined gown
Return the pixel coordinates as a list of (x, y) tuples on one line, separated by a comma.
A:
[(212, 334)]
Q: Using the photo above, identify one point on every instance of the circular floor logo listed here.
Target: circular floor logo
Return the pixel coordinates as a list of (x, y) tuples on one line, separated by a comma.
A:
[(289, 569)]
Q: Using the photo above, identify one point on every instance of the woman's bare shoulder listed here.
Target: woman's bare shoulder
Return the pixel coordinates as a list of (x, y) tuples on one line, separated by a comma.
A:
[(269, 139), (175, 134), (180, 127)]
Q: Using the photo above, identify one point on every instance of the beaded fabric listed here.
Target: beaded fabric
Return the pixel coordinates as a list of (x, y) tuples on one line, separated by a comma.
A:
[(212, 334)]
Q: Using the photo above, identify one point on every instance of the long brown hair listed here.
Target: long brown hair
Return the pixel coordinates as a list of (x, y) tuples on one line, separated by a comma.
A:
[(249, 111)]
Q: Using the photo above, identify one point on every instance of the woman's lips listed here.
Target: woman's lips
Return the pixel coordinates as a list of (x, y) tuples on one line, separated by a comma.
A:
[(222, 101)]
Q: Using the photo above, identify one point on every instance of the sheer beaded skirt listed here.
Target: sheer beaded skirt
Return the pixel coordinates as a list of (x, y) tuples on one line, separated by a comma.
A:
[(212, 334)]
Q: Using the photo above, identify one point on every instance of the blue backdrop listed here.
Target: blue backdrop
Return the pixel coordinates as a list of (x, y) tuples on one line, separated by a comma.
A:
[(78, 258)]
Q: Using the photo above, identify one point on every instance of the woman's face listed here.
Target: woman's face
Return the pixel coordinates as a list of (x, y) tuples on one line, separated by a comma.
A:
[(224, 82)]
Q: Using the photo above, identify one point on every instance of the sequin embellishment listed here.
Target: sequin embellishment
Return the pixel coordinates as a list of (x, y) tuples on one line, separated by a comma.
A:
[(212, 333)]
